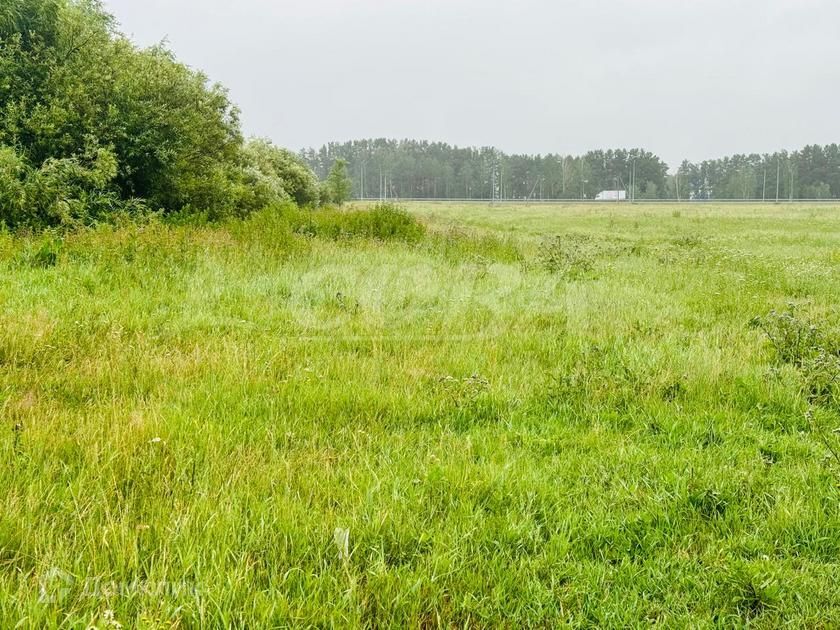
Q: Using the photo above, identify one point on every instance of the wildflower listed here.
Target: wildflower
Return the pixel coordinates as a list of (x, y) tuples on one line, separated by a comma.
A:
[(110, 620)]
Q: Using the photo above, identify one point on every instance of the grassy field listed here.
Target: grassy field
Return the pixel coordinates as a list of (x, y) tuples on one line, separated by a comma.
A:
[(513, 417)]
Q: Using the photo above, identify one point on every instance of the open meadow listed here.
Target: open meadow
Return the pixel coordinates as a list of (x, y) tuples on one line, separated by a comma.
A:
[(461, 415)]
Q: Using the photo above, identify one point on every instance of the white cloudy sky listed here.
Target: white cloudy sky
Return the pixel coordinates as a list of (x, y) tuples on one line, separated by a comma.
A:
[(685, 79)]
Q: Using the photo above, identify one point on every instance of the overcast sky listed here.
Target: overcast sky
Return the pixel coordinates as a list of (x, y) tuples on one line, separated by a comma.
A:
[(682, 78)]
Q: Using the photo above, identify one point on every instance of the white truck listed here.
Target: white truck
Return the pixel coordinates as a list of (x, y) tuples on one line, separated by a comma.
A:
[(611, 195)]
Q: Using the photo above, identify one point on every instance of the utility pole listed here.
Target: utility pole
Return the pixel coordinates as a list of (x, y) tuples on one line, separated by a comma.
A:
[(501, 184), (778, 175), (633, 183), (764, 186), (493, 186), (562, 164), (564, 175), (791, 183)]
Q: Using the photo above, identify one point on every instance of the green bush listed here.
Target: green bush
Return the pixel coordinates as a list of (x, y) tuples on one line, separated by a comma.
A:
[(97, 124), (338, 186), (276, 174), (63, 191), (13, 172)]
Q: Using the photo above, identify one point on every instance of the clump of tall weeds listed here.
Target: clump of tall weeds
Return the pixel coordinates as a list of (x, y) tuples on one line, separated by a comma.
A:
[(459, 245), (811, 349), (815, 354), (383, 222), (572, 255), (42, 253)]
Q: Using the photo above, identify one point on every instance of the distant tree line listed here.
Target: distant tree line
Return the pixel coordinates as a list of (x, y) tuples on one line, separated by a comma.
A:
[(810, 173), (417, 169)]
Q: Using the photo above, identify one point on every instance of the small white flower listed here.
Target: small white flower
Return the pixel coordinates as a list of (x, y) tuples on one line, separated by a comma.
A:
[(110, 620)]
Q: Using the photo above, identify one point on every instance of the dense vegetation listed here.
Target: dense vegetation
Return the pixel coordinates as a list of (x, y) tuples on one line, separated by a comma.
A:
[(412, 169), (90, 126), (521, 417)]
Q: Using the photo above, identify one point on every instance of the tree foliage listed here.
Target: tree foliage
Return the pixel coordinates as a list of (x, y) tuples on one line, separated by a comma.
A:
[(272, 166), (810, 173), (90, 124), (338, 186)]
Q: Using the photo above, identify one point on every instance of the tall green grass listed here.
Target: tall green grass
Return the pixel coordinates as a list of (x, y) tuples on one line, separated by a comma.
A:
[(382, 221), (359, 418)]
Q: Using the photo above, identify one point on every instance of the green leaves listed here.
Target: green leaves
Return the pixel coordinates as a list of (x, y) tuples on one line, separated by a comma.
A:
[(275, 171), (338, 186), (12, 190), (97, 123)]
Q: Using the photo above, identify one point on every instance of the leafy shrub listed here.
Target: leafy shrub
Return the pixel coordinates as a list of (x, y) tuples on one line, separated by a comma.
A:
[(338, 186), (278, 174), (13, 171), (98, 124), (73, 189), (65, 191)]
